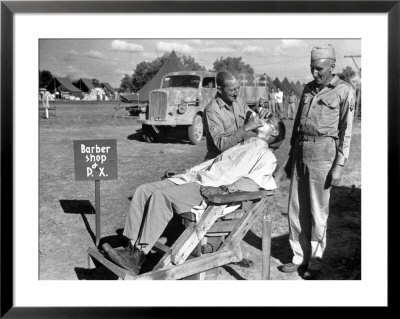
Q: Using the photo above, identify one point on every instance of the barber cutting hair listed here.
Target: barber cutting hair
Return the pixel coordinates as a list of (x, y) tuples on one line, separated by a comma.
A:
[(227, 120)]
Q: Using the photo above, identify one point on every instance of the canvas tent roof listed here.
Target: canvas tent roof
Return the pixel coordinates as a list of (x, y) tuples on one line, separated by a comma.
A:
[(84, 84), (295, 88), (62, 84), (279, 85), (300, 87), (173, 64), (286, 85), (107, 87)]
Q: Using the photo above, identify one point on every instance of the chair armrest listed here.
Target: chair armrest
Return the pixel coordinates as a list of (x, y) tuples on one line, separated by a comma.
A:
[(239, 196)]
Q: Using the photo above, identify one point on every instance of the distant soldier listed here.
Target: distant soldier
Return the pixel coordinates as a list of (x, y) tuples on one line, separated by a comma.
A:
[(45, 100), (291, 112), (279, 103), (272, 101)]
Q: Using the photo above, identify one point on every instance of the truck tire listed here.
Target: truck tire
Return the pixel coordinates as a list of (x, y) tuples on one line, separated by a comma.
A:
[(195, 131)]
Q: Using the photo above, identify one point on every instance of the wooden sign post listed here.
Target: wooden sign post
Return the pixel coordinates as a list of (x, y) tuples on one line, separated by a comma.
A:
[(95, 160)]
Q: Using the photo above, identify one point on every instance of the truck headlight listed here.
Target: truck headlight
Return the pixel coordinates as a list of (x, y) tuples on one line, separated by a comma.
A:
[(182, 108)]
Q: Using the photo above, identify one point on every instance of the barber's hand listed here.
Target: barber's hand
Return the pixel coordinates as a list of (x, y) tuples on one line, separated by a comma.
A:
[(336, 175), (252, 123), (210, 190)]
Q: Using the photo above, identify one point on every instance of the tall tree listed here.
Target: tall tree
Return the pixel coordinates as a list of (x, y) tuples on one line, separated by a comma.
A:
[(236, 66), (347, 73), (146, 70), (96, 83), (126, 84), (45, 77), (190, 63)]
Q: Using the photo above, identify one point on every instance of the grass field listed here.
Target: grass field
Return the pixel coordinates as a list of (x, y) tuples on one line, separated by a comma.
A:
[(67, 224)]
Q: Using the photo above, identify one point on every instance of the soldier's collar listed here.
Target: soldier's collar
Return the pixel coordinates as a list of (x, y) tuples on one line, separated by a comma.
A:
[(335, 80), (222, 103), (332, 83)]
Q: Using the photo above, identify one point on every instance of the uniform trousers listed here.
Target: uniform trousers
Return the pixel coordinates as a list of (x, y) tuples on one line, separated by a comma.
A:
[(291, 112), (152, 207), (272, 106), (281, 109), (309, 200)]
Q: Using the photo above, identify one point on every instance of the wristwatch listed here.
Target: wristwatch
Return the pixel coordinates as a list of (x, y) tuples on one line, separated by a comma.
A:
[(224, 189)]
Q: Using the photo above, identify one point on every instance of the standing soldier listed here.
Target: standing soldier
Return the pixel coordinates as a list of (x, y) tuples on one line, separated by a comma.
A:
[(46, 98), (320, 145), (272, 101), (279, 103), (227, 119), (292, 106)]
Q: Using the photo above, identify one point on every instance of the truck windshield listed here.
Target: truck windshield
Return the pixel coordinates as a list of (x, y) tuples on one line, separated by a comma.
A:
[(191, 81)]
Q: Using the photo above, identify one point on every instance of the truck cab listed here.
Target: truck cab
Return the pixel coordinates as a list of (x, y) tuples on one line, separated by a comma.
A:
[(179, 102)]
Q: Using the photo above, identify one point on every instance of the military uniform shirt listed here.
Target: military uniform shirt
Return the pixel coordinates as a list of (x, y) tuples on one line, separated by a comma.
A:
[(328, 112), (223, 125)]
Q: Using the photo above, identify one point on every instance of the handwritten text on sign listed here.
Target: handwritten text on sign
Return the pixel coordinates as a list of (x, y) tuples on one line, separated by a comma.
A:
[(95, 159)]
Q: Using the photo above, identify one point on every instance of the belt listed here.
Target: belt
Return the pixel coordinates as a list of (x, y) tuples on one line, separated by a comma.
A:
[(314, 138)]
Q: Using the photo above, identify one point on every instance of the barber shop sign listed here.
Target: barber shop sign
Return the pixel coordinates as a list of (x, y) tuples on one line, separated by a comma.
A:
[(95, 159)]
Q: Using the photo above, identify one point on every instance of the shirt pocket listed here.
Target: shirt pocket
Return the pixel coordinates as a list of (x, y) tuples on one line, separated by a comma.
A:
[(329, 108)]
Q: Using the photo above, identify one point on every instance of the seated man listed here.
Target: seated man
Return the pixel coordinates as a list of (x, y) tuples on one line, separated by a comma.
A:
[(248, 166)]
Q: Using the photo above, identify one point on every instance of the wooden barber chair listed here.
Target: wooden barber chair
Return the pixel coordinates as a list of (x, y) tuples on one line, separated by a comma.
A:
[(191, 256)]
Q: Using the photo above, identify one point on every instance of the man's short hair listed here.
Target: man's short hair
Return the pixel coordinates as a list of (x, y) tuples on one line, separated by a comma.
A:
[(277, 141), (224, 76)]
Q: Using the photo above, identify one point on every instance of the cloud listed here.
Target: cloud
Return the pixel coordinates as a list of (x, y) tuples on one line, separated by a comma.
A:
[(70, 56), (253, 49), (196, 41), (123, 71), (178, 47), (74, 73), (94, 55), (237, 44), (119, 45), (217, 50), (292, 43), (289, 47)]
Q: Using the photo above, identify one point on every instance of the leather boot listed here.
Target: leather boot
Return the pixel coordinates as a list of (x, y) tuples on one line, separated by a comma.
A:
[(130, 258)]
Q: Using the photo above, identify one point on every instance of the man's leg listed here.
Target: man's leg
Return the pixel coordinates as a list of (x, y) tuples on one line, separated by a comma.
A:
[(273, 107), (299, 214), (161, 207), (320, 195), (138, 204)]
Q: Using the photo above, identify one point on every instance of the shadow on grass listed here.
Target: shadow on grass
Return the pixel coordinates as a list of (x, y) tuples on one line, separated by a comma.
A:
[(342, 257), (171, 138), (81, 207), (136, 136)]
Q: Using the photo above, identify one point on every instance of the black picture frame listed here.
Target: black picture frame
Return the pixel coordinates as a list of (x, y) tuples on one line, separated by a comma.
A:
[(9, 8)]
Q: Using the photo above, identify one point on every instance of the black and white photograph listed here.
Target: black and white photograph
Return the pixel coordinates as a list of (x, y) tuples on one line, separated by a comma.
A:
[(200, 159), (195, 154)]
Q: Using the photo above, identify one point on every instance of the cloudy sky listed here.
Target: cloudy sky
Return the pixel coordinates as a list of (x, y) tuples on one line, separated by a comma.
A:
[(108, 60)]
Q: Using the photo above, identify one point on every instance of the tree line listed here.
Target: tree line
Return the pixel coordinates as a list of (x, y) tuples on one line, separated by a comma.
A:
[(145, 71)]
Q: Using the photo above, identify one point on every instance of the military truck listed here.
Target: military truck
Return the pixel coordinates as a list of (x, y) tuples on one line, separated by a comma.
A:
[(178, 104)]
